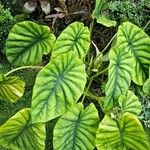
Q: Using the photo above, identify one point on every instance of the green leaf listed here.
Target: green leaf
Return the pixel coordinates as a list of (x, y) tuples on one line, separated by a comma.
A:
[(122, 134), (11, 88), (130, 103), (101, 13), (58, 86), (119, 76), (146, 86), (27, 42), (19, 134), (75, 38), (133, 38), (77, 129)]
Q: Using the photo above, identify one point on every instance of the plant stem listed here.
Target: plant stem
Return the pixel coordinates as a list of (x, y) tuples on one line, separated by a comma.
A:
[(23, 67), (90, 82), (94, 97), (97, 74), (147, 24), (108, 43)]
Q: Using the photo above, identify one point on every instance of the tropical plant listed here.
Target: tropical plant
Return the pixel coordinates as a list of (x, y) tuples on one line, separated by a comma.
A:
[(60, 89)]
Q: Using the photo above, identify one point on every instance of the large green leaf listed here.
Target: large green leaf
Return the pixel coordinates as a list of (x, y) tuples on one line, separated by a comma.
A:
[(58, 86), (11, 88), (122, 134), (119, 75), (146, 86), (27, 42), (133, 38), (19, 134), (130, 103), (101, 13), (75, 37), (77, 129)]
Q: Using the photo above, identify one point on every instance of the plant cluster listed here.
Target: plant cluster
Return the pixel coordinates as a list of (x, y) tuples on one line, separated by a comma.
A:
[(6, 22), (62, 93)]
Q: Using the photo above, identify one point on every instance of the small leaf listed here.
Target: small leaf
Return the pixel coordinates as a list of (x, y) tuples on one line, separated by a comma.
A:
[(119, 75), (133, 38), (19, 134), (146, 86), (27, 42), (75, 38), (30, 6), (76, 129), (45, 5), (11, 88), (101, 15), (125, 133), (58, 86), (130, 103)]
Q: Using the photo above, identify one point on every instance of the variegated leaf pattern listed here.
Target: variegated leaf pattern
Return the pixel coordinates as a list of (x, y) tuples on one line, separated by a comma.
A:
[(77, 129), (27, 42), (101, 13), (19, 134), (75, 38), (130, 103), (124, 133), (119, 76), (11, 88), (58, 86), (132, 37)]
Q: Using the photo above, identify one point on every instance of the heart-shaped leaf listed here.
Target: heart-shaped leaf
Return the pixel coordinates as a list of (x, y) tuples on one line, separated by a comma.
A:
[(11, 88), (146, 86), (119, 75), (133, 38), (77, 129), (101, 13), (76, 38), (130, 103), (27, 42), (19, 134), (124, 133), (58, 86)]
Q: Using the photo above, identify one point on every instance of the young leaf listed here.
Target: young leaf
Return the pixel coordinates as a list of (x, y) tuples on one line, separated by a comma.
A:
[(76, 38), (124, 133), (146, 86), (119, 75), (77, 129), (58, 86), (101, 15), (130, 103), (27, 42), (133, 38), (11, 88), (18, 132)]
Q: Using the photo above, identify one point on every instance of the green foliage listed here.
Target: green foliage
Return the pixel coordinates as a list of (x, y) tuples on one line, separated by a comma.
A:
[(11, 88), (77, 128), (129, 10), (101, 13), (133, 38), (58, 86), (123, 133), (130, 103), (6, 22), (75, 38), (27, 42), (146, 86), (119, 75), (19, 133)]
